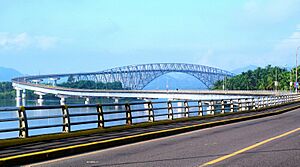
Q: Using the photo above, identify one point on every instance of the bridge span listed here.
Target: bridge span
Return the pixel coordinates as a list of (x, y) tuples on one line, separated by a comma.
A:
[(132, 77), (64, 93)]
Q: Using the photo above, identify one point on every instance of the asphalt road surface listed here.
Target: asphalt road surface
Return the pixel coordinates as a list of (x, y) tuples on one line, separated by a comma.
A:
[(270, 141)]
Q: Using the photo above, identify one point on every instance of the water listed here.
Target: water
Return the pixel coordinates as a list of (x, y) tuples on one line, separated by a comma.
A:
[(160, 114), (59, 120)]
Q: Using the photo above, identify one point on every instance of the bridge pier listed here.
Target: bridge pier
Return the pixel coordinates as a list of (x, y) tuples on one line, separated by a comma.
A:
[(54, 81), (87, 100), (40, 100), (116, 102), (62, 101), (18, 96), (24, 97)]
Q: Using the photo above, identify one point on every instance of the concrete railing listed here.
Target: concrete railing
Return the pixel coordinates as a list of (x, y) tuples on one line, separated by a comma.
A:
[(106, 115)]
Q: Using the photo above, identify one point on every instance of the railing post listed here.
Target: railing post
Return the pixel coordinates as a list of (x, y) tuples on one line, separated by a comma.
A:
[(280, 99), (258, 102), (246, 104), (222, 106), (100, 116), (272, 100), (212, 107), (66, 119), (150, 112), (253, 104), (263, 102), (200, 108), (186, 109), (231, 106), (128, 114), (239, 105), (276, 100), (170, 111), (23, 124)]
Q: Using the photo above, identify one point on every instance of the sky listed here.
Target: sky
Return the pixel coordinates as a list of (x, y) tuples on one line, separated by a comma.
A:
[(60, 36)]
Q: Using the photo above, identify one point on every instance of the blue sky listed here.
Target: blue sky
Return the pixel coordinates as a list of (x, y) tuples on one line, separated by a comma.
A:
[(58, 36)]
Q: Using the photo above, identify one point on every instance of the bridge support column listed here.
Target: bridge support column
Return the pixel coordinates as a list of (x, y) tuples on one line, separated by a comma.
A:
[(87, 100), (24, 97), (18, 97), (116, 102), (62, 100), (54, 81), (40, 100)]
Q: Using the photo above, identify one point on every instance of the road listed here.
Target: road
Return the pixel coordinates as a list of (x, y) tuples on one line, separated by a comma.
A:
[(277, 139)]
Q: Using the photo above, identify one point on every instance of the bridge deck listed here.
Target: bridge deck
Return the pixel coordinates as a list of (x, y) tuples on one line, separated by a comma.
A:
[(59, 143)]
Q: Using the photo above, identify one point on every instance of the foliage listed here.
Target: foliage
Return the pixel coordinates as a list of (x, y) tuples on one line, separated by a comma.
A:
[(7, 91), (92, 85), (259, 79)]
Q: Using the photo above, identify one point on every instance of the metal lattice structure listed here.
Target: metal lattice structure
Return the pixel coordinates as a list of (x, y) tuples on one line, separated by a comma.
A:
[(138, 76)]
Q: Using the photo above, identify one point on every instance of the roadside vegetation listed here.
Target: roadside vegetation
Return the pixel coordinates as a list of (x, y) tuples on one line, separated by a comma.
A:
[(259, 79)]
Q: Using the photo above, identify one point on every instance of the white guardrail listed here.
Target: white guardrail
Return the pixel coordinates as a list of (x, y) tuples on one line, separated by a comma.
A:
[(63, 118)]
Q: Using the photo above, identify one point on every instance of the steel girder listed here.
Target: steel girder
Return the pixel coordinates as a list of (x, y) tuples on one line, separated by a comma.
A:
[(138, 76)]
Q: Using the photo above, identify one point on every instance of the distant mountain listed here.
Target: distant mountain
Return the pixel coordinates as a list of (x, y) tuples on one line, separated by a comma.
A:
[(244, 69), (173, 81), (6, 74)]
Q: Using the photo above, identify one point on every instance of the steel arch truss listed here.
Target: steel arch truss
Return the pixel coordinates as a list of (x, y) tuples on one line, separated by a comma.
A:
[(138, 76)]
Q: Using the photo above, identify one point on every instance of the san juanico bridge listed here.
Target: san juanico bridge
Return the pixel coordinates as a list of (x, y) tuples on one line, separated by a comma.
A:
[(134, 77), (150, 83), (70, 129)]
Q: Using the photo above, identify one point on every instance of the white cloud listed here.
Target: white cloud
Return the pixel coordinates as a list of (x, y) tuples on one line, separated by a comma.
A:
[(18, 41), (290, 42), (45, 42), (285, 50), (24, 40)]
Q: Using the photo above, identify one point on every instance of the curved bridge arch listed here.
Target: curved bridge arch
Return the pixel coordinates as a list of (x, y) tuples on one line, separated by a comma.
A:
[(136, 77)]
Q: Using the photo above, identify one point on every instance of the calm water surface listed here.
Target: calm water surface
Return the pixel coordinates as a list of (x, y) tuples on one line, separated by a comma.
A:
[(52, 121)]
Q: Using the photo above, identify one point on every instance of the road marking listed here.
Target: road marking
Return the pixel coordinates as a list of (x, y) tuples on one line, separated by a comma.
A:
[(249, 148), (143, 142)]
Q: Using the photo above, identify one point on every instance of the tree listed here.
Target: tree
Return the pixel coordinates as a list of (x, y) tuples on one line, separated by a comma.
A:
[(258, 79)]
